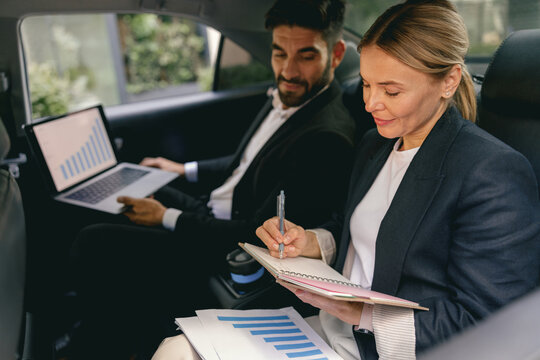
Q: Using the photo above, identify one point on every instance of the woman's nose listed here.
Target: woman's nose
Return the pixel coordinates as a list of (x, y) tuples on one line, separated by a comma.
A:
[(372, 101)]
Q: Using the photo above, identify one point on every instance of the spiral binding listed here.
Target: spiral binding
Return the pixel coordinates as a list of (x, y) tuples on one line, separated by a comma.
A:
[(320, 278)]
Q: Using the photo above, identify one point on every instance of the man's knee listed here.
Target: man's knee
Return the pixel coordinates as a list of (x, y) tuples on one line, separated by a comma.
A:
[(90, 238)]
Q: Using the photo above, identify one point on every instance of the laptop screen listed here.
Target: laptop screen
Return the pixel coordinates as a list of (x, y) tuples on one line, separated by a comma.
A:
[(75, 147)]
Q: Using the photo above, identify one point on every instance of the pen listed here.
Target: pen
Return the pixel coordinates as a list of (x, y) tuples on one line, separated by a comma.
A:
[(281, 215)]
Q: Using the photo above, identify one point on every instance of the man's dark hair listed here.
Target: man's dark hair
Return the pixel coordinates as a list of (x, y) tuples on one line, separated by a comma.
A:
[(322, 15)]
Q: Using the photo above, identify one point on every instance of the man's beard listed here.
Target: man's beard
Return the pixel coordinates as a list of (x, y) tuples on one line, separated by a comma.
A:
[(290, 99)]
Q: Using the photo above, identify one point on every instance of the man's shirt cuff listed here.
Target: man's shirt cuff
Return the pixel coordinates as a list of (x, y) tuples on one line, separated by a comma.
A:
[(191, 170), (170, 217)]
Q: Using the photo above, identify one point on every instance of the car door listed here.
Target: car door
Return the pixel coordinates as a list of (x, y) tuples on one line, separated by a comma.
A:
[(183, 101)]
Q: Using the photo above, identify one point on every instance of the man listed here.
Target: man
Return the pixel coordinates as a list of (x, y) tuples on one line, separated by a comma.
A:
[(300, 142)]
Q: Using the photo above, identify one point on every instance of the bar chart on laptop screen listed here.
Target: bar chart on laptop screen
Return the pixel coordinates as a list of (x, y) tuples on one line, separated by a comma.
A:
[(279, 335), (75, 147)]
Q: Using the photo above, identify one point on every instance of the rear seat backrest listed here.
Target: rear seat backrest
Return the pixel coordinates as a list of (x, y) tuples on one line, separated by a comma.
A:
[(509, 105), (348, 75)]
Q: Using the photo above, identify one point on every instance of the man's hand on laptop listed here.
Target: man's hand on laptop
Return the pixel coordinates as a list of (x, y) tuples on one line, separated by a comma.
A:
[(164, 164), (145, 211)]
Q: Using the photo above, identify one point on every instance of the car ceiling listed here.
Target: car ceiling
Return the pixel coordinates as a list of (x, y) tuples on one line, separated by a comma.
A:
[(227, 16), (223, 14)]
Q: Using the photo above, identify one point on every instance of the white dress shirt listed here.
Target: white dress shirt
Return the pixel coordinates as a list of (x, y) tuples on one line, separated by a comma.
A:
[(221, 198)]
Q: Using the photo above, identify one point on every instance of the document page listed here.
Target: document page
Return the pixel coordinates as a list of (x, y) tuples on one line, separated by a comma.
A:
[(195, 333), (302, 265), (263, 335)]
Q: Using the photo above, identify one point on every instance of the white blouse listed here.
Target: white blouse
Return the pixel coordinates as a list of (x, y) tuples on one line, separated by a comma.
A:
[(360, 265), (369, 213)]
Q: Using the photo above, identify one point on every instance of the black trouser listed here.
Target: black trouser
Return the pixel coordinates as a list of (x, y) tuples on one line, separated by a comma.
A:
[(133, 281)]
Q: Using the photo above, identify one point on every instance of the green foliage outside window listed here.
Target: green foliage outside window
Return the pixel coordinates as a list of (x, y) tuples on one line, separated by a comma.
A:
[(160, 51), (50, 92), (53, 94)]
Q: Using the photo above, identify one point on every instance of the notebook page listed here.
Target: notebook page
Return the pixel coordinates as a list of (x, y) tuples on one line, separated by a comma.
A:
[(299, 266)]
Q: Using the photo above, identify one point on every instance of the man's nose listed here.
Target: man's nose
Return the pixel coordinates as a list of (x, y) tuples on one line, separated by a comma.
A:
[(290, 69)]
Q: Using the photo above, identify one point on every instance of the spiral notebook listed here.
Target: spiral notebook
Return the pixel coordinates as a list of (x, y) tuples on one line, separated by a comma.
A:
[(315, 276)]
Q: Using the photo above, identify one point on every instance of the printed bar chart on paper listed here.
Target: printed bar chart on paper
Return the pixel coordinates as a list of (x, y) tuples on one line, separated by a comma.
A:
[(75, 157), (263, 334)]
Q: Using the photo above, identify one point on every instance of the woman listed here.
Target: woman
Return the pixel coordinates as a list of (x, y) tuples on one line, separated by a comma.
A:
[(439, 212)]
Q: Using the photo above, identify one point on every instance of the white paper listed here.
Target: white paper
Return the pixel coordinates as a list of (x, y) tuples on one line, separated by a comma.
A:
[(314, 268), (263, 335), (194, 331)]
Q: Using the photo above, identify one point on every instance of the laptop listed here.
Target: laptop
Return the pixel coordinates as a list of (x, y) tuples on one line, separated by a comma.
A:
[(79, 162)]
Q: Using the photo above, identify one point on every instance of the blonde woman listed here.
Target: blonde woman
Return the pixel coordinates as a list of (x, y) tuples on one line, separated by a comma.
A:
[(439, 212)]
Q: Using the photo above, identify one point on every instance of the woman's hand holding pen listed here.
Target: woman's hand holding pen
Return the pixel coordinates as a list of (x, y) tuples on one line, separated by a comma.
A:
[(298, 242)]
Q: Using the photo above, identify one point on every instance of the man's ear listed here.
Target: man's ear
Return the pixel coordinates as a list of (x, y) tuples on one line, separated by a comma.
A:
[(338, 52)]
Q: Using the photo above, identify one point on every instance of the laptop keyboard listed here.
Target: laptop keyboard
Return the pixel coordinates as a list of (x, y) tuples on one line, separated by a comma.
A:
[(102, 188)]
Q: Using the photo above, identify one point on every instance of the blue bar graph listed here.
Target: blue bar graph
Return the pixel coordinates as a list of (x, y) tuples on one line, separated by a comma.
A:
[(285, 338), (304, 353), (103, 139), (93, 151), (256, 325), (62, 167), (85, 157), (277, 331), (75, 164), (99, 142), (252, 318), (294, 346), (91, 154), (80, 161), (69, 167), (284, 344)]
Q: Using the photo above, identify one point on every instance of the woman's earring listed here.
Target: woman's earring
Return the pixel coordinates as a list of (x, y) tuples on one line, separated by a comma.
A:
[(447, 93)]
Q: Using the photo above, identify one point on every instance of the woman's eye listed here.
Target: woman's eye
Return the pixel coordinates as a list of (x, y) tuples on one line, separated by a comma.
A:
[(392, 93)]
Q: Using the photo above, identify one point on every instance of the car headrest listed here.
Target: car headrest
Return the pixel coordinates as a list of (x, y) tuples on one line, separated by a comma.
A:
[(4, 141), (511, 83), (350, 65)]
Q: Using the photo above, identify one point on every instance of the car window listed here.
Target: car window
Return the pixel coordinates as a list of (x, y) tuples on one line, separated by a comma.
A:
[(74, 61), (489, 22), (237, 68)]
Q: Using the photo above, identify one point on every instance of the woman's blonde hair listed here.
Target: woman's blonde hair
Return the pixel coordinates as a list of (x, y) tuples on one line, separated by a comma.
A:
[(429, 36)]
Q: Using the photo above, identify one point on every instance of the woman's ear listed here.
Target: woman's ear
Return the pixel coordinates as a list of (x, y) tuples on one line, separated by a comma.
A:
[(451, 81)]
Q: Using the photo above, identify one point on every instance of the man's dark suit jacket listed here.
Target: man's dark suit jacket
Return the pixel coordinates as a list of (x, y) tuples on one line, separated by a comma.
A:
[(309, 157), (462, 234)]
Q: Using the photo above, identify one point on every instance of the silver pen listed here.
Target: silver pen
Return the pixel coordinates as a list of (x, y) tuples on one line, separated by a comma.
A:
[(281, 215)]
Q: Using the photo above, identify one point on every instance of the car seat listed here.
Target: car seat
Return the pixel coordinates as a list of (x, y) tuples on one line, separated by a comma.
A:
[(12, 258)]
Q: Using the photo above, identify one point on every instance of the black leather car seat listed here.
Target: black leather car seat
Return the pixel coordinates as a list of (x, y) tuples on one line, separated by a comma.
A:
[(510, 97), (12, 258)]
